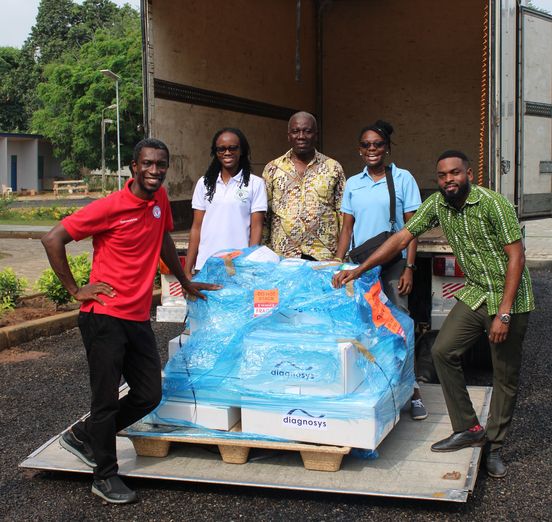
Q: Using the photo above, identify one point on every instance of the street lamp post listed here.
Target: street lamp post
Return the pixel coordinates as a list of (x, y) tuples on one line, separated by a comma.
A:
[(113, 76), (104, 121)]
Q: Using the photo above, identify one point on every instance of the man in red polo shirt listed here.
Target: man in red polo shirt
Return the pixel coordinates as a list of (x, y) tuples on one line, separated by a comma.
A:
[(130, 230)]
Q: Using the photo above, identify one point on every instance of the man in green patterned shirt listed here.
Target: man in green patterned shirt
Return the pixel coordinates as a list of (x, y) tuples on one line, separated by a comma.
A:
[(482, 228)]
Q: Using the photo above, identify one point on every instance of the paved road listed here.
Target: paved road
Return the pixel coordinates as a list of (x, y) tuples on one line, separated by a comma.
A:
[(75, 201), (43, 394), (28, 258)]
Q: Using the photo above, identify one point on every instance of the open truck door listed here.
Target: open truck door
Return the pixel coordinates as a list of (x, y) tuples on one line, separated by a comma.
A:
[(534, 141)]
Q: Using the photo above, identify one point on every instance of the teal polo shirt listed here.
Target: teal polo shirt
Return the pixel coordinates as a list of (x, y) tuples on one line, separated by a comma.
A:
[(368, 202)]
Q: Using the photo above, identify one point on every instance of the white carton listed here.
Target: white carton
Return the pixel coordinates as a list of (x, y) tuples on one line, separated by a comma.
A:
[(171, 314), (171, 290), (307, 425), (212, 417), (275, 371), (177, 343)]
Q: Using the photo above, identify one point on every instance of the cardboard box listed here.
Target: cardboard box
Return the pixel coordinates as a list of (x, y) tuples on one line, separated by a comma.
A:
[(269, 367), (179, 341), (171, 314), (304, 424), (212, 417), (171, 289)]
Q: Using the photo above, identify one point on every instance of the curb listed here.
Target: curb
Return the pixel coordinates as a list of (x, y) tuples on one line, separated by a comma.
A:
[(539, 263), (11, 336), (22, 234)]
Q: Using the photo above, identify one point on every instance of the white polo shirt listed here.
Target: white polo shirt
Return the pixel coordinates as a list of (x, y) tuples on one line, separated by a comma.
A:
[(227, 220)]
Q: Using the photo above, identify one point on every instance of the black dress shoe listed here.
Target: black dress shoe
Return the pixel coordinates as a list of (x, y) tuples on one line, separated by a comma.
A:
[(495, 467), (459, 440)]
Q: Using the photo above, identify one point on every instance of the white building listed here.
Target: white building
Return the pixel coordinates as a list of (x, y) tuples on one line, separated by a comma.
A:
[(27, 162)]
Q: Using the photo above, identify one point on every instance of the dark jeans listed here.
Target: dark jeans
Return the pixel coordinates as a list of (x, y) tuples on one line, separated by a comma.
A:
[(114, 348), (460, 330)]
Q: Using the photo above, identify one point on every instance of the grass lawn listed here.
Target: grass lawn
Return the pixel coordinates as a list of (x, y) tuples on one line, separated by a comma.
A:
[(27, 221)]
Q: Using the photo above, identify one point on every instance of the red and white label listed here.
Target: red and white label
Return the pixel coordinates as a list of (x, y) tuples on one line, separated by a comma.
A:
[(175, 289), (449, 289), (264, 301)]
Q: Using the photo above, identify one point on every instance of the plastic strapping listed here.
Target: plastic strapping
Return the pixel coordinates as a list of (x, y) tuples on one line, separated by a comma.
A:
[(229, 265), (360, 347), (350, 289), (327, 265), (186, 367)]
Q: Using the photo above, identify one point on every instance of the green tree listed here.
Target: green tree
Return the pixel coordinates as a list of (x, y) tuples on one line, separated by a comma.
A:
[(61, 26), (74, 93), (12, 104)]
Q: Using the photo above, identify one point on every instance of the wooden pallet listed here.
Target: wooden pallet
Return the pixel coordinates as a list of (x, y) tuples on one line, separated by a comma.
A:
[(236, 451)]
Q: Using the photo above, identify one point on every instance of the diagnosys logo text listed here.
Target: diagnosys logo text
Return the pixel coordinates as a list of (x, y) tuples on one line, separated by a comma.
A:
[(304, 420), (292, 371)]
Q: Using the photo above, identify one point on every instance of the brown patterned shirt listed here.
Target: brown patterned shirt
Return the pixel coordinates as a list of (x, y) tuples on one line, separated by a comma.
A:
[(303, 210)]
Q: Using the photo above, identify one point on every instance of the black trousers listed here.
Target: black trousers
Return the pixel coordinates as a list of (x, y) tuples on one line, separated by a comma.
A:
[(117, 348)]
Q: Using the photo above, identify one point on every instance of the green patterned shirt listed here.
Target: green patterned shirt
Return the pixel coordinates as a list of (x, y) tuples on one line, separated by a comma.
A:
[(477, 234)]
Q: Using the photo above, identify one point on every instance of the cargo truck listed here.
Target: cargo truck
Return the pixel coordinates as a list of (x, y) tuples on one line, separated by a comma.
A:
[(472, 75)]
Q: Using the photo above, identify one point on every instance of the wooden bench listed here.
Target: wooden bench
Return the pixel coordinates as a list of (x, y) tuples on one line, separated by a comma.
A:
[(70, 186)]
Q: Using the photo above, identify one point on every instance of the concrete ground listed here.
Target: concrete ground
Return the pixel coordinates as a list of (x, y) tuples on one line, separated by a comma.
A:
[(28, 259), (44, 388)]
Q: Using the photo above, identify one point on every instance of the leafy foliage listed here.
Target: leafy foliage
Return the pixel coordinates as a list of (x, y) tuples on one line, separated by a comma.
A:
[(74, 94), (5, 203), (36, 213), (50, 284), (52, 86), (12, 103), (11, 288)]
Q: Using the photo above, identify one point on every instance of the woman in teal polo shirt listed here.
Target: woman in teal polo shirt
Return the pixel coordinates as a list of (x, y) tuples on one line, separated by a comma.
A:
[(366, 213)]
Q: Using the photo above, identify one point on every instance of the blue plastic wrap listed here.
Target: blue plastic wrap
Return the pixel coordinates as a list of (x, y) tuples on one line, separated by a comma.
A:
[(319, 353)]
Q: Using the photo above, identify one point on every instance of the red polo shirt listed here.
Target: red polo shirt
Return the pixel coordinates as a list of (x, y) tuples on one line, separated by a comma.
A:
[(127, 233)]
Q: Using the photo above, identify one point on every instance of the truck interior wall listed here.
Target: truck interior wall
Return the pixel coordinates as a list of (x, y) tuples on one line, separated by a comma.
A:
[(238, 48), (188, 131), (416, 66)]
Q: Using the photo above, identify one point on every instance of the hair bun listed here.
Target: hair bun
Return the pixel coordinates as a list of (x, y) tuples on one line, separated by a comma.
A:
[(385, 126)]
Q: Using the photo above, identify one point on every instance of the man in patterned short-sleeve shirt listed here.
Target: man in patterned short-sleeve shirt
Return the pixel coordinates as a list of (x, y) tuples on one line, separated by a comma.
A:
[(483, 231), (304, 190)]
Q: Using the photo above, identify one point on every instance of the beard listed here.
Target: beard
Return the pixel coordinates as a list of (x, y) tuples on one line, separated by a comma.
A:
[(457, 197)]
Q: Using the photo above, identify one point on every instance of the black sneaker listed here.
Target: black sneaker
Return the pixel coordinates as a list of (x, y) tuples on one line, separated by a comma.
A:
[(78, 448), (418, 410), (113, 490)]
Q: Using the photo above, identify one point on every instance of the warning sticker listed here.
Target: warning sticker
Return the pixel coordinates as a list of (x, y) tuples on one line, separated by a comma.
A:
[(229, 255), (381, 314), (264, 300)]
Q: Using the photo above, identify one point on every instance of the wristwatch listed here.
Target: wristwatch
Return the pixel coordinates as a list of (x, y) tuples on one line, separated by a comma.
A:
[(411, 266), (505, 318)]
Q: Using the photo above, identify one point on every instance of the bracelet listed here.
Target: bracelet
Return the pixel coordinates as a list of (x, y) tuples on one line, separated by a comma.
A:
[(340, 259), (412, 266)]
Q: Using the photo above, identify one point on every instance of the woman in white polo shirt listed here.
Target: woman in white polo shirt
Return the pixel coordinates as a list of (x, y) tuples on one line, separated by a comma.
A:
[(229, 202)]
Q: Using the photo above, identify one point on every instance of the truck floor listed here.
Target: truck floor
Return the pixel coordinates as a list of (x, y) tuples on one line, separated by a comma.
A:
[(406, 467)]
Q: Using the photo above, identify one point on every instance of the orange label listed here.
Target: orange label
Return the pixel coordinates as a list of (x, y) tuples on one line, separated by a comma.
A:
[(229, 255), (264, 300), (165, 269), (381, 314)]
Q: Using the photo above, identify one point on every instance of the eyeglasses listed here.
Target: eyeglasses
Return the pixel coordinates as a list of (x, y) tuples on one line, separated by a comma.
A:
[(368, 144), (231, 148)]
